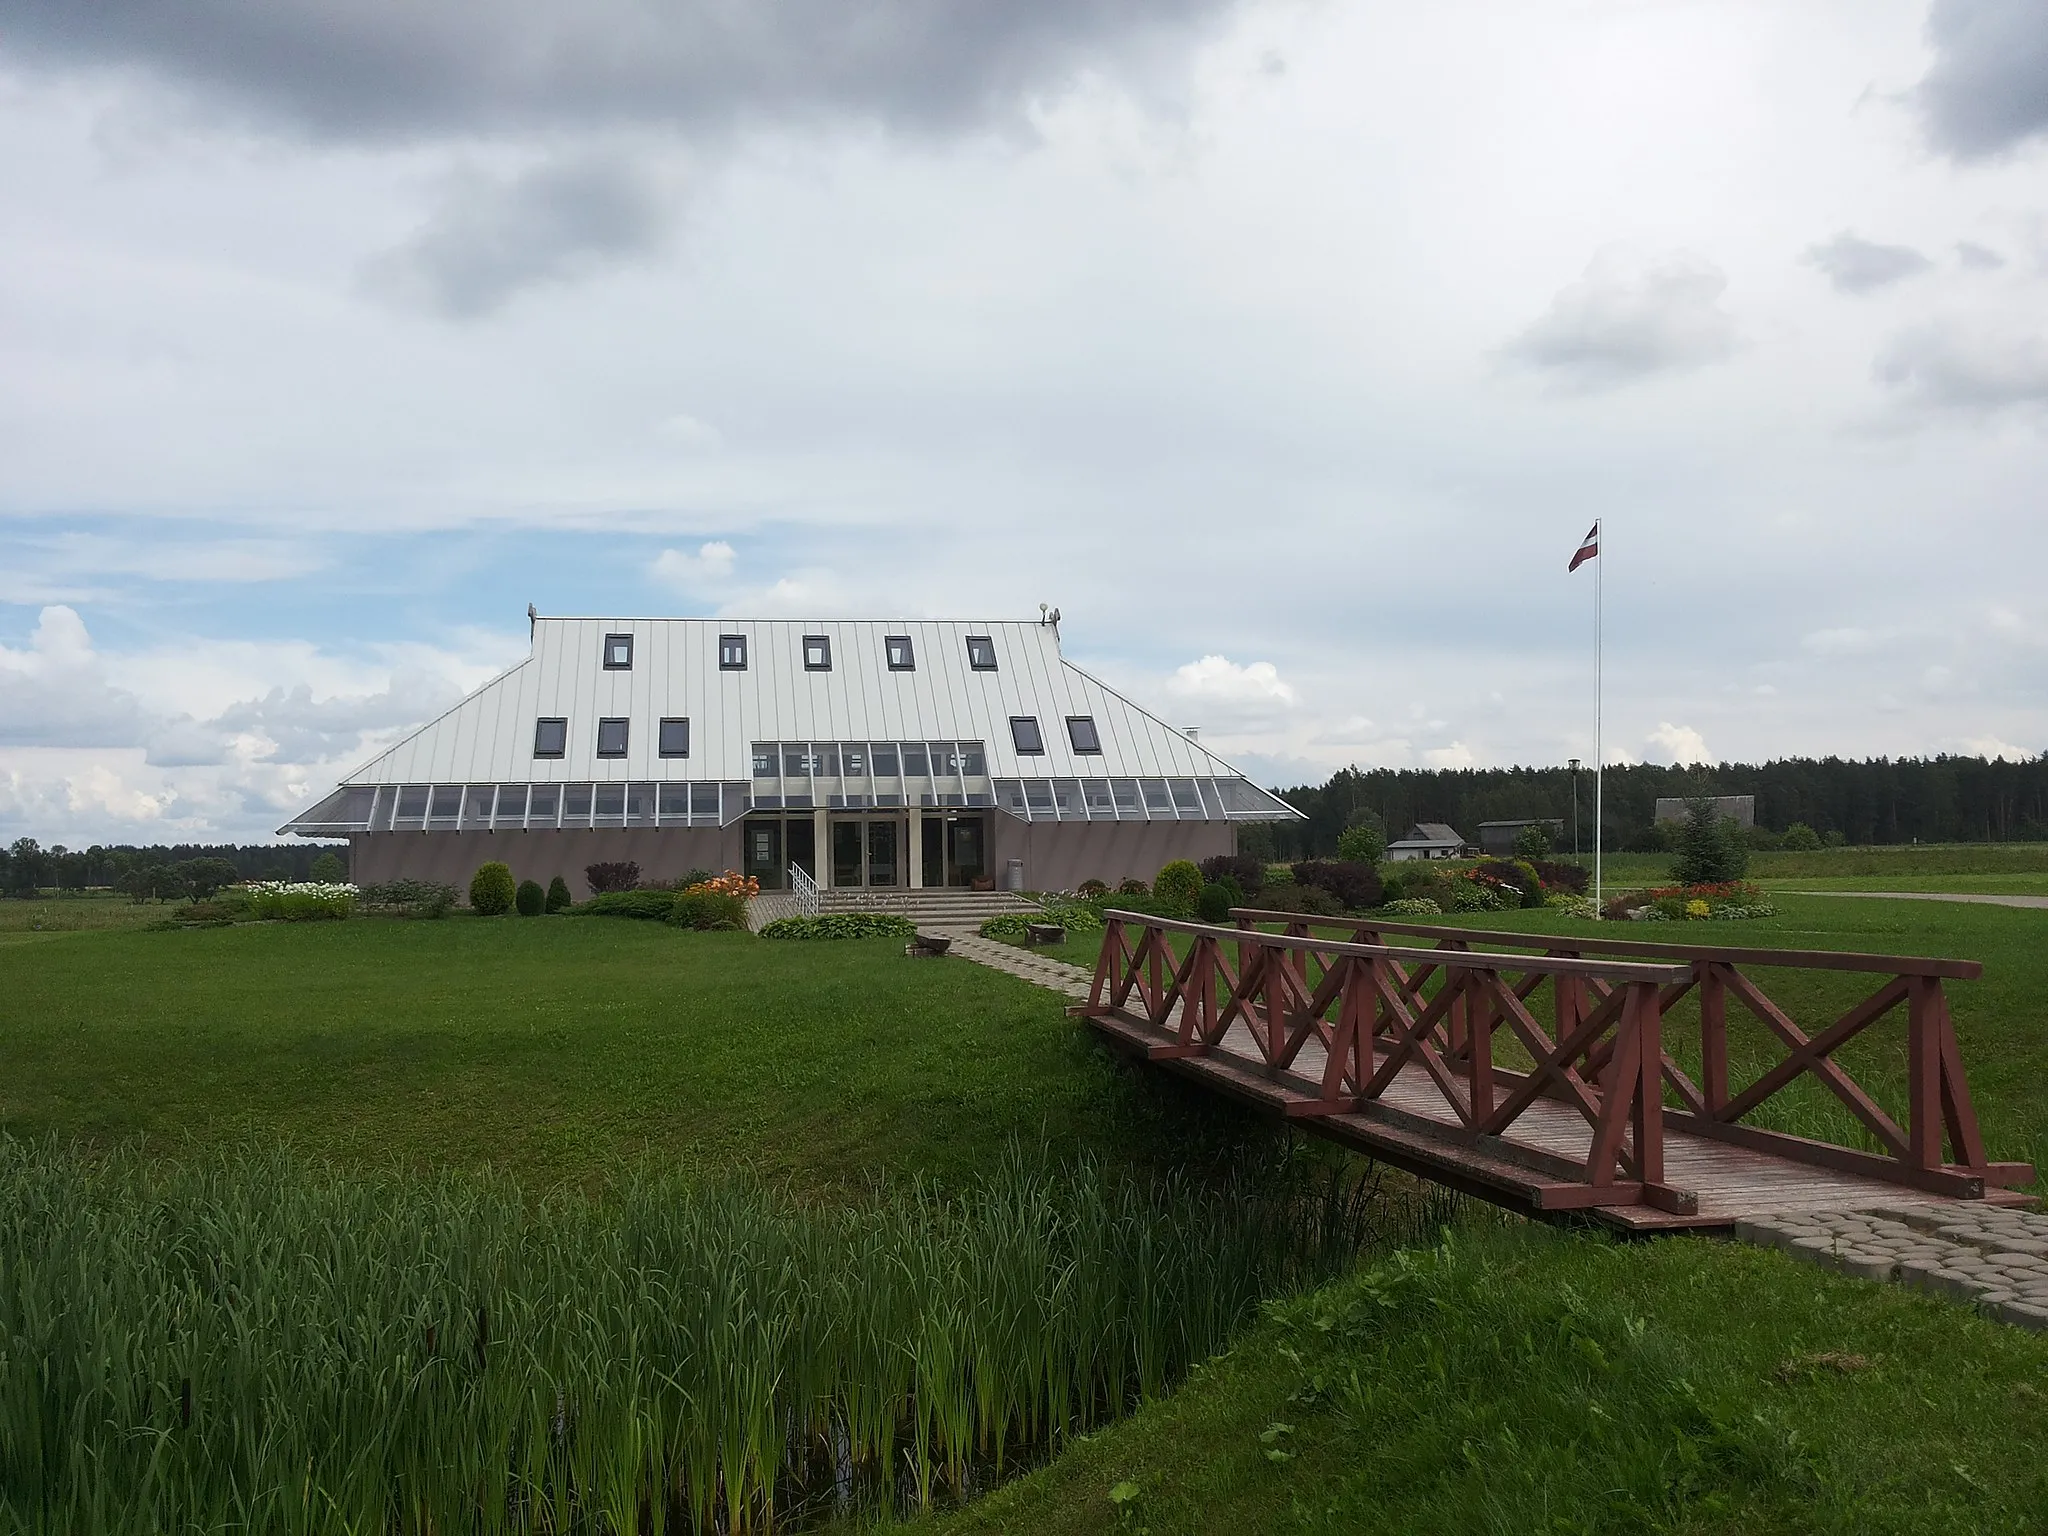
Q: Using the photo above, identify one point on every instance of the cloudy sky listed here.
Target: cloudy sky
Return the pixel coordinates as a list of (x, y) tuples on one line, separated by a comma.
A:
[(1287, 346)]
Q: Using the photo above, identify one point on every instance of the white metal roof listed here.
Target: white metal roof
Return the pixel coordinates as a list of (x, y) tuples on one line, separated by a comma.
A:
[(675, 672)]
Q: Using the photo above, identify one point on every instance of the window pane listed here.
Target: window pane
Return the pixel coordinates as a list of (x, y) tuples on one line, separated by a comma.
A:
[(618, 652), (545, 801), (550, 737), (945, 759), (1038, 795), (915, 764), (640, 805), (1024, 732), (796, 762), (973, 760), (576, 803), (611, 738), (704, 799), (412, 803), (1097, 793), (901, 657), (817, 653), (981, 653), (1126, 794), (885, 760), (511, 805), (611, 802), (1081, 732), (675, 802), (732, 652), (1185, 797), (853, 759), (764, 759), (1156, 798), (675, 738), (447, 802), (825, 759)]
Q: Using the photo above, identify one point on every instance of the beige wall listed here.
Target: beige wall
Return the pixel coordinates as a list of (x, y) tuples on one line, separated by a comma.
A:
[(662, 853), (1058, 856)]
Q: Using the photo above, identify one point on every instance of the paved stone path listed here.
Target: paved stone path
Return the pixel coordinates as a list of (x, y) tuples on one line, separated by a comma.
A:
[(1994, 1257), (1981, 900), (1024, 964)]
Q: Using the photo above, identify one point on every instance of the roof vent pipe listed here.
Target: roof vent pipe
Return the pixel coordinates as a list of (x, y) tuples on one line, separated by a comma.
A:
[(1192, 732)]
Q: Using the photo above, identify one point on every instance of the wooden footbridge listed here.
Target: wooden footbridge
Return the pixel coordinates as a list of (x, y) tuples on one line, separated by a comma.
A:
[(1421, 1046)]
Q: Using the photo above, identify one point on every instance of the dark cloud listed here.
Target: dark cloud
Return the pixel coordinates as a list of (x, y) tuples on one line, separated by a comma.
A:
[(1629, 316), (1988, 88), (1855, 265), (492, 237), (1971, 368), (1978, 258), (395, 69)]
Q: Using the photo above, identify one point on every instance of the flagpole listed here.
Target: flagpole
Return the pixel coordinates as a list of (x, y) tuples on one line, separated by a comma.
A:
[(1599, 701)]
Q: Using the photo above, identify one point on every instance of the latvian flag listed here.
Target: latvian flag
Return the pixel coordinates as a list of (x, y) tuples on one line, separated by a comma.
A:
[(1588, 548)]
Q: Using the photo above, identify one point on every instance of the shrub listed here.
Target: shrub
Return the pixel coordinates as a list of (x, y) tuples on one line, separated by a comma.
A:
[(1133, 887), (1354, 885), (1074, 916), (559, 899), (1570, 878), (409, 898), (1309, 900), (531, 898), (706, 907), (1471, 895), (692, 877), (1092, 888), (1364, 843), (1575, 906), (1248, 872), (200, 878), (1800, 838), (622, 875), (1412, 906), (1533, 842), (1007, 926), (1179, 887), (1834, 837), (1710, 847), (491, 890), (651, 906), (842, 925), (1516, 877), (1216, 900), (328, 869), (299, 901)]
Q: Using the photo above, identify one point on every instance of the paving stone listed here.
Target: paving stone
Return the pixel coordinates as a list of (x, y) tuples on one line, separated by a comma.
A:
[(2023, 1314), (1867, 1266)]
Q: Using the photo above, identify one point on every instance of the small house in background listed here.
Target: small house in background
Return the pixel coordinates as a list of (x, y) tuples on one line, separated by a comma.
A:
[(1427, 840), (1497, 838), (1741, 809)]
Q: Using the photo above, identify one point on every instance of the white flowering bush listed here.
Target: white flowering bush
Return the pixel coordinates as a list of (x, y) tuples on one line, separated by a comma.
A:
[(1413, 906), (297, 901)]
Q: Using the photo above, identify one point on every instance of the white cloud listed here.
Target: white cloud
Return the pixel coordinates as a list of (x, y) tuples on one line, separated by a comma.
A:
[(1995, 747), (710, 566), (1632, 314), (1852, 264), (1973, 365), (1456, 755), (1850, 640), (1230, 696), (1681, 743)]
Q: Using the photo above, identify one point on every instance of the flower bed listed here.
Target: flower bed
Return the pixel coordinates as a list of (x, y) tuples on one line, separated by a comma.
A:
[(842, 925), (1726, 901), (293, 901)]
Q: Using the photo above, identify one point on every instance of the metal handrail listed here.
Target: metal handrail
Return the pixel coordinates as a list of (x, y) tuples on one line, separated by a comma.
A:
[(805, 889)]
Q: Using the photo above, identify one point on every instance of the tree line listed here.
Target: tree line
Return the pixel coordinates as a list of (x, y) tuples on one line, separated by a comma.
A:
[(27, 868), (1874, 800)]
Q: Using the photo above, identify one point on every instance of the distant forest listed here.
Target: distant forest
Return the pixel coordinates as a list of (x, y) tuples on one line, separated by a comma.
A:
[(1879, 800), (28, 866)]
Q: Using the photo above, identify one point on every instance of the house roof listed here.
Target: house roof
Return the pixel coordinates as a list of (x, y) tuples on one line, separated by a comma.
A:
[(675, 672), (1433, 832)]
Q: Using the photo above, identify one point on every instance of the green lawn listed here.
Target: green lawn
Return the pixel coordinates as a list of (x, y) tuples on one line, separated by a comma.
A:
[(1525, 1380), (554, 1048), (1990, 868)]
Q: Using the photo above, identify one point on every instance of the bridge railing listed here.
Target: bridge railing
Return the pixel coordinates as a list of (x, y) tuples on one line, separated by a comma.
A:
[(1361, 1003), (1939, 1148)]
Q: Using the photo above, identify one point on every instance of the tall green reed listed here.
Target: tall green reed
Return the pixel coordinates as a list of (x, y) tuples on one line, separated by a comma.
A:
[(254, 1342)]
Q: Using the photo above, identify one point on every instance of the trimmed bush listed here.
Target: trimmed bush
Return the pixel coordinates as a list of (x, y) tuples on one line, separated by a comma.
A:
[(531, 898), (704, 908), (1248, 872), (1092, 888), (1309, 900), (1570, 878), (1800, 838), (650, 906), (1217, 898), (1414, 906), (1354, 885), (559, 899), (491, 890), (1515, 877), (409, 898), (621, 875), (1133, 887), (1179, 887), (842, 925)]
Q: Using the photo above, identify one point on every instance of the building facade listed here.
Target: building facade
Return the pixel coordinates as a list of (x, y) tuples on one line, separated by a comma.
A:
[(874, 754), (1427, 840)]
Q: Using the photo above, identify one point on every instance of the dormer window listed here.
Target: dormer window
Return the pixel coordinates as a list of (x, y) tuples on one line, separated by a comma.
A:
[(732, 653), (1024, 734), (611, 738), (901, 657), (981, 653), (817, 653), (550, 736), (1082, 733), (618, 653), (675, 737)]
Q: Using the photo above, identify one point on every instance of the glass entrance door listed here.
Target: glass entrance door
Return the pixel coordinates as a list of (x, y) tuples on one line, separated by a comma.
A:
[(761, 853), (934, 870), (848, 846), (881, 852)]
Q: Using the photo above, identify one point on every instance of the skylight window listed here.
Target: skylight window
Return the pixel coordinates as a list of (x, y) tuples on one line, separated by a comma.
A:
[(611, 738), (981, 653), (675, 738), (1082, 733), (817, 653), (732, 653), (618, 653), (550, 736), (1025, 734), (901, 657)]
